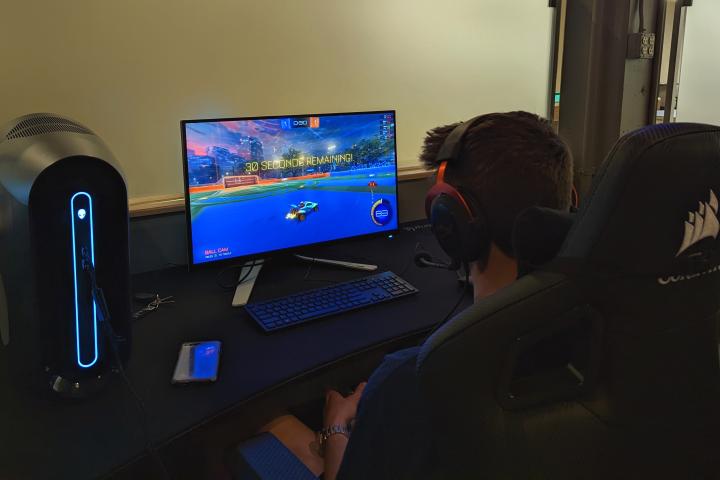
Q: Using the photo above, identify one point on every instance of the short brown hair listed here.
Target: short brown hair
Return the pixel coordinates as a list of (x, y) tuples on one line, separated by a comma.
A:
[(509, 162)]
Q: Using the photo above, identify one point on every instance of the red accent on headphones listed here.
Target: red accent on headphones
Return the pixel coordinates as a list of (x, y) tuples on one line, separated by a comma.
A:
[(443, 188), (575, 198)]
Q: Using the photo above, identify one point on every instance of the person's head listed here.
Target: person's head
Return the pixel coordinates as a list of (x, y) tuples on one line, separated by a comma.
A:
[(508, 162)]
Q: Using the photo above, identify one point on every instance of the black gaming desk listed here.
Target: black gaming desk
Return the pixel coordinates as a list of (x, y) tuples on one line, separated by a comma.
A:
[(259, 372)]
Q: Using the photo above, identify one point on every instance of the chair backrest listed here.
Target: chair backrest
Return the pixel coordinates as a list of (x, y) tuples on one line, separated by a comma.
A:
[(629, 307)]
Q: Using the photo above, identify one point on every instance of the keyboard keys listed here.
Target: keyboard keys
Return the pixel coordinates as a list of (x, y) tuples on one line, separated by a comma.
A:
[(302, 307)]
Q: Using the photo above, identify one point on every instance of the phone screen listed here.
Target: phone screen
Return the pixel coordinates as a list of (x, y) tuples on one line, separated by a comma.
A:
[(197, 362)]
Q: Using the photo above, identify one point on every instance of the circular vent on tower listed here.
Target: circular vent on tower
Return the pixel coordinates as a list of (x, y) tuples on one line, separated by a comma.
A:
[(44, 124)]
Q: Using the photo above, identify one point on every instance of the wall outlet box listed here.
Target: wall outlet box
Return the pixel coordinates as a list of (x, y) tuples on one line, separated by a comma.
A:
[(641, 45)]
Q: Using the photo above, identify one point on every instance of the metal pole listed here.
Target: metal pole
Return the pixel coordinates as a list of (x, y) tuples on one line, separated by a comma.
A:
[(676, 44), (657, 62), (554, 54), (593, 76)]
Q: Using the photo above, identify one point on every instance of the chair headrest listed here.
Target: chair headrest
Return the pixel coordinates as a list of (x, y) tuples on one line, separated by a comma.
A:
[(653, 209)]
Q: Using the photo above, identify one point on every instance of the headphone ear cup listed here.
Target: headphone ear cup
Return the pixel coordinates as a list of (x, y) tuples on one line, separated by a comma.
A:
[(461, 237)]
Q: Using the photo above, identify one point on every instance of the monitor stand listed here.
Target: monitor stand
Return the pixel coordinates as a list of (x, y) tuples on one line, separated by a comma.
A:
[(338, 263), (243, 290)]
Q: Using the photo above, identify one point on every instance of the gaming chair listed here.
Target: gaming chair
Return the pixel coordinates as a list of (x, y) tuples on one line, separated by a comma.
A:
[(602, 363)]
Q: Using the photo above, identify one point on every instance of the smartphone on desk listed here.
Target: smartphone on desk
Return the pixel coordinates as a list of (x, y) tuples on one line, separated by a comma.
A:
[(197, 362)]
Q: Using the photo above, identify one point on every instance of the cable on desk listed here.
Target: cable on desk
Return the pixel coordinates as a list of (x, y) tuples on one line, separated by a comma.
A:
[(457, 304), (243, 277), (107, 330), (411, 258), (143, 415), (307, 278), (112, 338)]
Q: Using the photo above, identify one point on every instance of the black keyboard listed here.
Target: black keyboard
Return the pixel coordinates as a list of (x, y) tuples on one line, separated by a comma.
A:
[(302, 307)]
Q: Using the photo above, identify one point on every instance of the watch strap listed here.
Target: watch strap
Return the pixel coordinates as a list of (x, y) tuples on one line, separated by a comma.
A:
[(329, 431)]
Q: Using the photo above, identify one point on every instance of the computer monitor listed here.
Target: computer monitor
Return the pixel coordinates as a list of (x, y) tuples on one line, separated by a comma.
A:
[(261, 185)]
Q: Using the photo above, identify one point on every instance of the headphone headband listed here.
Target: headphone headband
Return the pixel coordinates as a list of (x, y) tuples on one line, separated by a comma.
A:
[(440, 176), (452, 145)]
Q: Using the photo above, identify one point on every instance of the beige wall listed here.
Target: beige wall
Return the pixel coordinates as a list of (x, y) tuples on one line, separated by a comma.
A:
[(132, 69), (699, 91)]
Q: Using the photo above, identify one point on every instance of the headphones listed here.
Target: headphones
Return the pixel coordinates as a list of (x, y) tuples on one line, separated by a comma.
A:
[(456, 216)]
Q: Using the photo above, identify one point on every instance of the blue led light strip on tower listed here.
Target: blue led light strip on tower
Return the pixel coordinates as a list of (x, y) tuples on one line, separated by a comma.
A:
[(81, 214)]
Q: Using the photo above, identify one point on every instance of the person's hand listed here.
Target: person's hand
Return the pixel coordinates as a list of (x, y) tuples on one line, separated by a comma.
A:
[(341, 410)]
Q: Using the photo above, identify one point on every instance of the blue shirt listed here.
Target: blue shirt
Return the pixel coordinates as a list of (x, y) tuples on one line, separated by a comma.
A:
[(391, 437)]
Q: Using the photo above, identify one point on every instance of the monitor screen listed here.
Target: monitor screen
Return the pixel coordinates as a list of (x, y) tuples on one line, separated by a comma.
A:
[(261, 185)]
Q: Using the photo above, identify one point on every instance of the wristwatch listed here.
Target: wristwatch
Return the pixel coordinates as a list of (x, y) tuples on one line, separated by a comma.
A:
[(327, 432)]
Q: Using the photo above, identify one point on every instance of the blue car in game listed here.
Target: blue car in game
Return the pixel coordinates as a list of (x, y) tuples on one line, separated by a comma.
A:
[(300, 211)]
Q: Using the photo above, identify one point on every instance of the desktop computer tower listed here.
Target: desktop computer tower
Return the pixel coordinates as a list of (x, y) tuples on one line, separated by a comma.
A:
[(63, 230)]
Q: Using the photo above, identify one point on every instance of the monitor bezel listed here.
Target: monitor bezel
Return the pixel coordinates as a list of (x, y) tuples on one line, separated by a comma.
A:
[(283, 251)]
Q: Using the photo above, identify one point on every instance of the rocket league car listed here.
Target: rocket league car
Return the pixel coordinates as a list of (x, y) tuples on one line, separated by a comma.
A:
[(301, 210)]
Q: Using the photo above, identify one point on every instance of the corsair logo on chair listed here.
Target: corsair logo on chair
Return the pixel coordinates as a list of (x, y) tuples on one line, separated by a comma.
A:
[(701, 224)]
